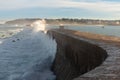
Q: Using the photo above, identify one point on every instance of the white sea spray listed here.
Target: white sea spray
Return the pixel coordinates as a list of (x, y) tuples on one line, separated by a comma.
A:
[(28, 55)]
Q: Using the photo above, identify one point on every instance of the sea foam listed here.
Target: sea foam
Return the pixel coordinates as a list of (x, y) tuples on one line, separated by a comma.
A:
[(28, 55)]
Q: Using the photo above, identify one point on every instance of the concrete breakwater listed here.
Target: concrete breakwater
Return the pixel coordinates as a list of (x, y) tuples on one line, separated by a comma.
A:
[(74, 56)]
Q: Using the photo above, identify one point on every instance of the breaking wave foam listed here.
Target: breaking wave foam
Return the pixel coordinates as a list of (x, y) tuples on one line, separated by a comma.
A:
[(28, 55), (39, 25)]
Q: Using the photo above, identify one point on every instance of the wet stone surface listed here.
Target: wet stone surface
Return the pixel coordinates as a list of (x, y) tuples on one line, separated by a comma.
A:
[(110, 69)]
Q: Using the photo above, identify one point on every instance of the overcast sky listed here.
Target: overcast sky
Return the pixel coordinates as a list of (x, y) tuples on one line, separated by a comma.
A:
[(98, 9)]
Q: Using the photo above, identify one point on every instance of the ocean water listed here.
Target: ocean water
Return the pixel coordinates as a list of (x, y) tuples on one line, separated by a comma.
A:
[(9, 30), (27, 54), (106, 30)]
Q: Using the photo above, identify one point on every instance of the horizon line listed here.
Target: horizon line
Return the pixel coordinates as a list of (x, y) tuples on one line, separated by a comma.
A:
[(57, 18)]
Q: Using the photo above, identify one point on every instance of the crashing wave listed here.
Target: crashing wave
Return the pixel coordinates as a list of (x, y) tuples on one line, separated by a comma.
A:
[(28, 55), (39, 25)]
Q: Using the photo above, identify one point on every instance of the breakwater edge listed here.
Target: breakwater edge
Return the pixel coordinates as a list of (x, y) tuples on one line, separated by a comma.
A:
[(74, 56)]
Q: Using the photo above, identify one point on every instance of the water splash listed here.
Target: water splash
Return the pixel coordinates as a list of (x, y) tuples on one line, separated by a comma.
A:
[(28, 55), (39, 25)]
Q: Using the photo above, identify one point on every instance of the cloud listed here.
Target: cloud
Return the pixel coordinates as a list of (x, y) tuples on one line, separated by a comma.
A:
[(92, 5), (18, 4)]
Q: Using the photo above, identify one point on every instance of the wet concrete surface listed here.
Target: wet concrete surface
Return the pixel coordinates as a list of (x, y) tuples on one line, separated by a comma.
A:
[(110, 68)]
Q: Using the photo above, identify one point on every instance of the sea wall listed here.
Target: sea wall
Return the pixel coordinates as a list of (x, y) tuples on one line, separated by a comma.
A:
[(74, 57)]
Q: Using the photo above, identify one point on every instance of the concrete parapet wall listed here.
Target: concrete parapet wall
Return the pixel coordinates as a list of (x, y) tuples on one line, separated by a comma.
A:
[(74, 57)]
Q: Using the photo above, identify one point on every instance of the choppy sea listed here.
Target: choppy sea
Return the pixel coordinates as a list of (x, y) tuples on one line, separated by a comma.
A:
[(25, 54)]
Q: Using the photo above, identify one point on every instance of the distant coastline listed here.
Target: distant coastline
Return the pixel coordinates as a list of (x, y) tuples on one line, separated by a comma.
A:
[(65, 21)]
